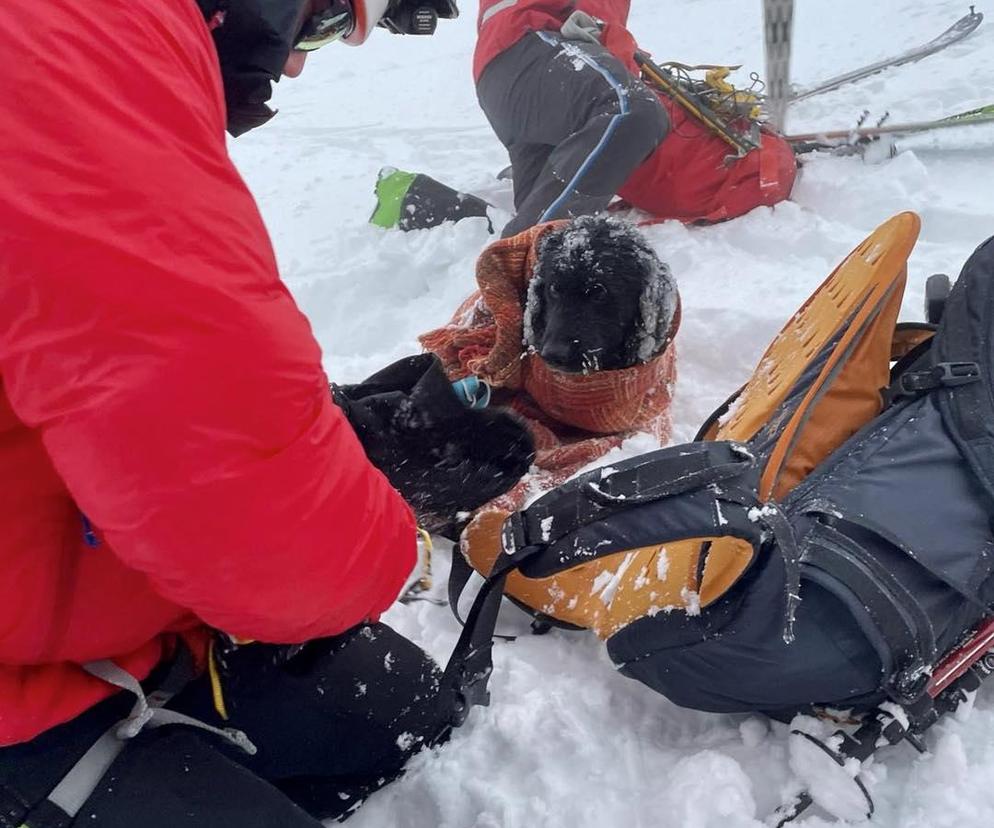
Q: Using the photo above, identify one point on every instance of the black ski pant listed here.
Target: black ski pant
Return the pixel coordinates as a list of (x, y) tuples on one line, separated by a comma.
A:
[(575, 122), (331, 724)]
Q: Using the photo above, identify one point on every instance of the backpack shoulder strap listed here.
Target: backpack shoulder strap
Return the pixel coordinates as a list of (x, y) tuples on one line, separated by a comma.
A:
[(700, 492), (591, 498), (963, 362)]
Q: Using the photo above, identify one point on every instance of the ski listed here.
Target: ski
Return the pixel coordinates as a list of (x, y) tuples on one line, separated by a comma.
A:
[(834, 140), (954, 34)]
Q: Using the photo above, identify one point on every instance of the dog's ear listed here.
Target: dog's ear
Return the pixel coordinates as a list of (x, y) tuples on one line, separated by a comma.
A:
[(659, 303), (534, 317), (534, 313)]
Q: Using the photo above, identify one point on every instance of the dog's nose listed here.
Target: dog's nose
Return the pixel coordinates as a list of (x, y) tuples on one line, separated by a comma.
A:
[(563, 354)]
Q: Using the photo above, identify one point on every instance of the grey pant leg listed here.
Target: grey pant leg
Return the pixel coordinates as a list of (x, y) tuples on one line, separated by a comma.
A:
[(527, 163), (580, 101)]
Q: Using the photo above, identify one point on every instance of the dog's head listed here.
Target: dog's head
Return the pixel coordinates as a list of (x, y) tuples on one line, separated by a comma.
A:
[(600, 299)]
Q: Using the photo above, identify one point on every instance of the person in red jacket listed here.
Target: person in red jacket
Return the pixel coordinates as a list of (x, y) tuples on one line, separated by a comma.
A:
[(558, 82), (171, 460)]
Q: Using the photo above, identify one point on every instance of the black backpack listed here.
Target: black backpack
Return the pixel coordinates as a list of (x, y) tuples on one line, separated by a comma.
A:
[(859, 571)]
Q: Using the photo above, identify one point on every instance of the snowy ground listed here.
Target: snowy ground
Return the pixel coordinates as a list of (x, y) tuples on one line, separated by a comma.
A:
[(567, 741)]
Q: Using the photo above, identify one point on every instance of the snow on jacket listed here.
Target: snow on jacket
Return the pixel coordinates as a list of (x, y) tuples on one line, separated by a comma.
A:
[(155, 376), (687, 177), (502, 23)]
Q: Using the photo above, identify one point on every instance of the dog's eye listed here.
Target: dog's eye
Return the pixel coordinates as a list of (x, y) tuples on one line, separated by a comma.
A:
[(596, 292)]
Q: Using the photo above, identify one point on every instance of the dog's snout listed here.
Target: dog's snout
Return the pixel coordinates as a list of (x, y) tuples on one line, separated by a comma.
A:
[(561, 353)]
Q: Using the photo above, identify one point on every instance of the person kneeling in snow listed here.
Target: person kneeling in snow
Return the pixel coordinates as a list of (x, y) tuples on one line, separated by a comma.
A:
[(171, 460), (559, 84), (572, 327), (558, 81)]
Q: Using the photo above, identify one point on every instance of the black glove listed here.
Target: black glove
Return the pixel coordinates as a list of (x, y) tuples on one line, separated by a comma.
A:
[(443, 457)]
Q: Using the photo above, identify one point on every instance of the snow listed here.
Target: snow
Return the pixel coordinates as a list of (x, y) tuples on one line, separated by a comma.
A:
[(831, 785), (608, 588), (567, 741), (896, 712), (691, 600), (662, 563)]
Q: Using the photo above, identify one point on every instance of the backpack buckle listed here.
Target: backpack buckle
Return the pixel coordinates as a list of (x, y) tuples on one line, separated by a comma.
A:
[(941, 375), (512, 534), (958, 373)]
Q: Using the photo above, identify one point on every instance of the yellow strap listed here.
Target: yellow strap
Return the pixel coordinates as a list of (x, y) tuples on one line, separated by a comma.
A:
[(425, 581), (217, 693), (717, 79), (699, 66)]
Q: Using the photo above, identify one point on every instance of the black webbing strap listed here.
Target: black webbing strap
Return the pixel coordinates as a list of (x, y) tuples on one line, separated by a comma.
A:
[(902, 625), (467, 674), (459, 576), (715, 418), (914, 360), (772, 518)]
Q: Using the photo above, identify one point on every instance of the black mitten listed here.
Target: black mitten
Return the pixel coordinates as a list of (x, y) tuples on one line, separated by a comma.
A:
[(443, 457)]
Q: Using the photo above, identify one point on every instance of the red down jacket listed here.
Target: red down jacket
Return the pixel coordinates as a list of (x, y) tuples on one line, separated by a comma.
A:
[(155, 376), (687, 177)]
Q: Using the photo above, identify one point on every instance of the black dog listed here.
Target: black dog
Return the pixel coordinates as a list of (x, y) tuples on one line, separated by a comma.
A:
[(600, 298)]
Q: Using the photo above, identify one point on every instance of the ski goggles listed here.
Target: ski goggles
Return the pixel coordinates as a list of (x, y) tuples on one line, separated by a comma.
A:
[(335, 21)]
